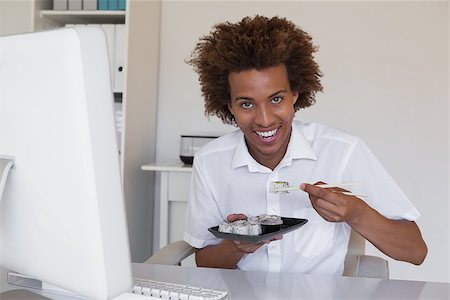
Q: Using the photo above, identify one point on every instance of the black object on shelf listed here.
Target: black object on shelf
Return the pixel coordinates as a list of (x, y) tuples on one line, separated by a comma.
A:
[(190, 144)]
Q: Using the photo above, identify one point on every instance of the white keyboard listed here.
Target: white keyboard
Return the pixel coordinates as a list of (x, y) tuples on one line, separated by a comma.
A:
[(173, 291)]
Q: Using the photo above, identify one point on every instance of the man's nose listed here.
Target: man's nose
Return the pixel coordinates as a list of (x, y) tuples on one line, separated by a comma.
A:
[(264, 116)]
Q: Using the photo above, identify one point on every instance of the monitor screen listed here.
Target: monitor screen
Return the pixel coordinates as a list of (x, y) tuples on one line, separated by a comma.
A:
[(62, 214)]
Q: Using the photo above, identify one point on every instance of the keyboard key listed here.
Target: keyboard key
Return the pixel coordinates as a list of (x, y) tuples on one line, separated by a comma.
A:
[(155, 292), (137, 290), (183, 297), (164, 293), (146, 291)]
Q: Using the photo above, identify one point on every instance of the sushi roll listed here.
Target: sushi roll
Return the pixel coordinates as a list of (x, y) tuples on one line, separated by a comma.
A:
[(253, 225), (254, 229), (270, 223), (226, 227), (253, 220), (241, 227)]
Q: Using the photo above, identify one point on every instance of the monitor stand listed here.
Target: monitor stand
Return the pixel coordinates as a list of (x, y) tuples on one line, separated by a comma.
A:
[(6, 163)]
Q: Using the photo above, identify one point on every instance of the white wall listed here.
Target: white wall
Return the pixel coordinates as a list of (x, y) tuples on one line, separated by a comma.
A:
[(385, 71), (15, 17)]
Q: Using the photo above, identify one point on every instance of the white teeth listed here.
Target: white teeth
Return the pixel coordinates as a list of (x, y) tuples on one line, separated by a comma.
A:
[(267, 134)]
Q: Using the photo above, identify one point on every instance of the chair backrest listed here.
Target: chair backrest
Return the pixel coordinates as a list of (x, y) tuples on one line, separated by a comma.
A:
[(356, 248), (6, 164), (357, 244)]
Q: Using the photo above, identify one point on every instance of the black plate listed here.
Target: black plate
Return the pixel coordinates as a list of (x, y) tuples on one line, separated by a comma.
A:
[(289, 224)]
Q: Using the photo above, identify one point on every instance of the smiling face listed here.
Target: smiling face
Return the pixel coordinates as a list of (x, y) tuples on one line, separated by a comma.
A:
[(262, 103)]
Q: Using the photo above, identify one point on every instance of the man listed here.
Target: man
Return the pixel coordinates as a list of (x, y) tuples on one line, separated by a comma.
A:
[(256, 74)]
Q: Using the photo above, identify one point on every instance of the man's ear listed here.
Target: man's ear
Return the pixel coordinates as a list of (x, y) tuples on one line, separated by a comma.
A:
[(229, 107), (295, 97)]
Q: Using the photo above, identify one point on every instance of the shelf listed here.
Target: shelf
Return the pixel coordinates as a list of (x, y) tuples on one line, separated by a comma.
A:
[(84, 16), (172, 166)]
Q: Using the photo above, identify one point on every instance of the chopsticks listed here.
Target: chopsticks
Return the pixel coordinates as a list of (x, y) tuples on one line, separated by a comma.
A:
[(284, 187)]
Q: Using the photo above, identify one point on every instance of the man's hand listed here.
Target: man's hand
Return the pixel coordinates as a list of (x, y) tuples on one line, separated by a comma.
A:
[(332, 205), (399, 239)]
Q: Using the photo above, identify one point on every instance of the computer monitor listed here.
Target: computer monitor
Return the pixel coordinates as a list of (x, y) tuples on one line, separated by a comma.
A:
[(62, 214)]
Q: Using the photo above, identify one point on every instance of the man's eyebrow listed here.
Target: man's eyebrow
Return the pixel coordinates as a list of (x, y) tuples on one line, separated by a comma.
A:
[(270, 96), (279, 92), (242, 98)]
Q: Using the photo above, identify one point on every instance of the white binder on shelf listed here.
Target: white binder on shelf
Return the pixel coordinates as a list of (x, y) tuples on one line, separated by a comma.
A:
[(75, 4), (119, 59), (89, 4), (59, 4)]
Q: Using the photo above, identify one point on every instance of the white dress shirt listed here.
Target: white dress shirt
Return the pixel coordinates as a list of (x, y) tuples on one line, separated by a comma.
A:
[(227, 180)]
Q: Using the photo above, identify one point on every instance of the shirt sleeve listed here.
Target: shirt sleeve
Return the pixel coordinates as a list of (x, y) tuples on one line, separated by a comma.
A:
[(202, 210), (384, 195)]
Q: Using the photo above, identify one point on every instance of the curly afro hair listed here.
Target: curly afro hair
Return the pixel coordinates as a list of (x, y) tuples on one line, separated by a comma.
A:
[(254, 43)]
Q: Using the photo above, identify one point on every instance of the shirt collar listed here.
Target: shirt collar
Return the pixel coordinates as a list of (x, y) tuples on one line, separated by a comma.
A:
[(298, 148), (242, 157)]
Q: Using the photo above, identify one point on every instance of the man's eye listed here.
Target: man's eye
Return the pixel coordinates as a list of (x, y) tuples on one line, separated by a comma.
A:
[(246, 105), (277, 99)]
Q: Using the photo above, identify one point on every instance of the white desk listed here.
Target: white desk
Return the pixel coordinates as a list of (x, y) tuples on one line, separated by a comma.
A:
[(260, 285), (173, 186), (245, 285)]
